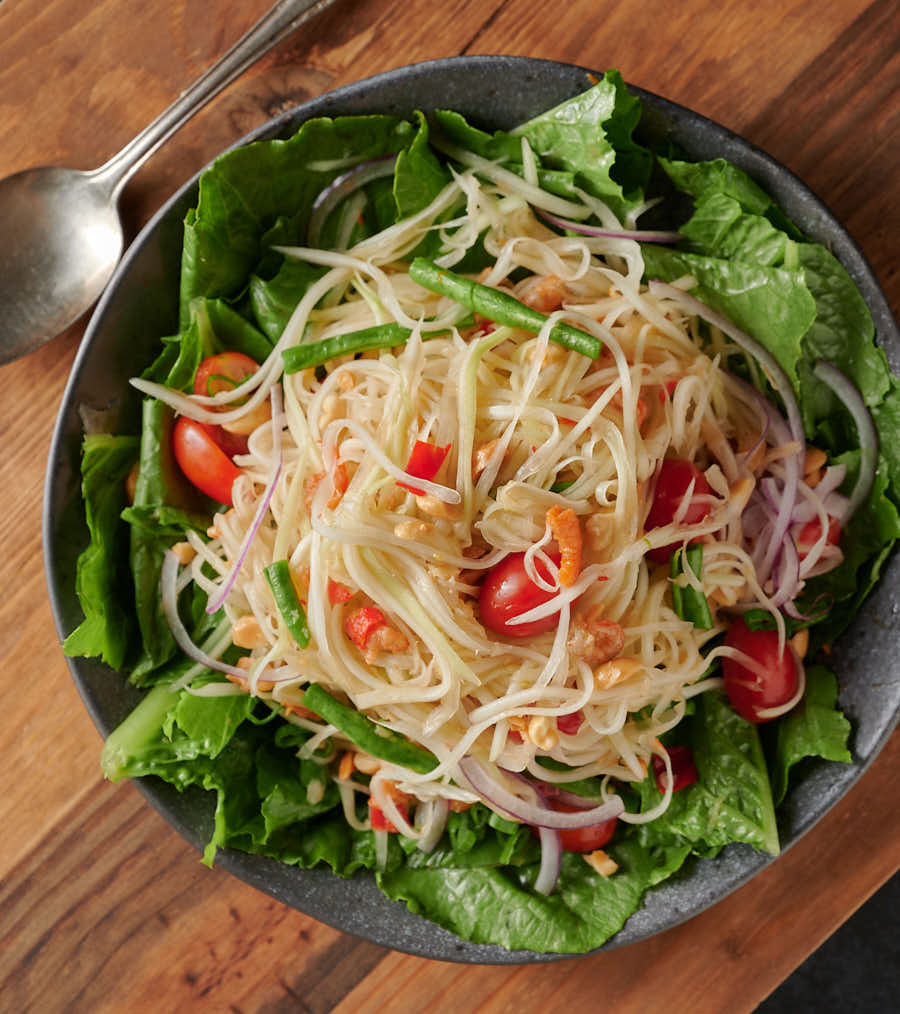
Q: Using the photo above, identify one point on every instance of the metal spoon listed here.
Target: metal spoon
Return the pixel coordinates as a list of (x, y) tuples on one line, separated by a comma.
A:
[(60, 234)]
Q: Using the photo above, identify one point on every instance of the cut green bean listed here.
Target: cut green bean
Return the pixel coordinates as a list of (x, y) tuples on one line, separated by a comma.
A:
[(500, 307), (381, 336), (278, 575), (374, 739), (687, 602)]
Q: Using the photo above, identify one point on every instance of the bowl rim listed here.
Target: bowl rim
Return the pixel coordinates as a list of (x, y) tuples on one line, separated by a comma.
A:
[(737, 863)]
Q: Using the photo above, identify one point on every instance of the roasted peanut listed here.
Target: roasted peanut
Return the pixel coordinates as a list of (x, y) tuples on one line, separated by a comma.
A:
[(616, 671)]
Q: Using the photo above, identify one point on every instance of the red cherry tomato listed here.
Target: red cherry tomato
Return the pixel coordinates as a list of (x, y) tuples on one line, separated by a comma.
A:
[(582, 839), (203, 461), (508, 591), (223, 372), (749, 692), (675, 476), (684, 771)]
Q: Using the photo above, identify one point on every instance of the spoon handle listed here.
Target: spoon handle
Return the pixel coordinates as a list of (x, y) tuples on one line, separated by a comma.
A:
[(284, 17)]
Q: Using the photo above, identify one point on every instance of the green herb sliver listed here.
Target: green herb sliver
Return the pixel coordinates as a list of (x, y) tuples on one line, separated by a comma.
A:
[(500, 307), (278, 575), (689, 603), (374, 739)]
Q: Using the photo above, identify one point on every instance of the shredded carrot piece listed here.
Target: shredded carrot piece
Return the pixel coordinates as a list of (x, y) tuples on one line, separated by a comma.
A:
[(566, 529)]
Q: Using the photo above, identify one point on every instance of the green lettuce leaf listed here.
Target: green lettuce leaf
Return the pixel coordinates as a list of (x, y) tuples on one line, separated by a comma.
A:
[(815, 728), (100, 582)]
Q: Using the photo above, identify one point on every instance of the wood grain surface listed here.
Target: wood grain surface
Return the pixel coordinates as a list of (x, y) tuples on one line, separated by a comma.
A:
[(102, 906)]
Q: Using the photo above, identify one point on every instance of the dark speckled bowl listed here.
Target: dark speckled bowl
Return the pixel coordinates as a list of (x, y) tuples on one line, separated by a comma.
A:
[(140, 305)]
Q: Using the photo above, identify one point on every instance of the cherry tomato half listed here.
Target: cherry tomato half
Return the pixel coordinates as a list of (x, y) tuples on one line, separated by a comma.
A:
[(582, 839), (749, 692), (675, 476), (507, 591), (684, 771), (203, 461), (223, 372)]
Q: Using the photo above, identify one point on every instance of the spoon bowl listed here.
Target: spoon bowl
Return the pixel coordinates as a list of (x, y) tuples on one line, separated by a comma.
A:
[(62, 239)]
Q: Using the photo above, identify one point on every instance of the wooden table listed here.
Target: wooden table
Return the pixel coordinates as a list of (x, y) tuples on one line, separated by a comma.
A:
[(103, 907)]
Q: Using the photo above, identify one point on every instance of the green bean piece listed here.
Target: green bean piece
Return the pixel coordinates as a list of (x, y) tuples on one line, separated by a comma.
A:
[(380, 336), (687, 602), (500, 307), (278, 575), (363, 732)]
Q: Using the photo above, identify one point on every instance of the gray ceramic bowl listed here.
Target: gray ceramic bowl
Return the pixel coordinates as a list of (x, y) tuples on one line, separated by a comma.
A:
[(140, 305)]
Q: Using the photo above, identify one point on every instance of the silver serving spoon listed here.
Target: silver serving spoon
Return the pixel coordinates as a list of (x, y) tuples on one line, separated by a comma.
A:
[(60, 234)]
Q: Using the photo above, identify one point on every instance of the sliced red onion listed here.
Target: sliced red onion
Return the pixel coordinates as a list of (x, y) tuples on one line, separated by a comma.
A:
[(169, 594), (787, 582), (848, 393), (641, 235), (215, 601), (342, 186), (533, 813)]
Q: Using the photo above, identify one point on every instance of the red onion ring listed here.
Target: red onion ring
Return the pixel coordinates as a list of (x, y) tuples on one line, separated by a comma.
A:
[(534, 813), (342, 186), (215, 601), (642, 236)]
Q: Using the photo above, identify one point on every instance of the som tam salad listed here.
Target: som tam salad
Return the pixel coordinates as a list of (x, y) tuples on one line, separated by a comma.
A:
[(475, 529)]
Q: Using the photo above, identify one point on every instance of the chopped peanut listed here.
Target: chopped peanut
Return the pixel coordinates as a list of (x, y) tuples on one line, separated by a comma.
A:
[(482, 455), (184, 552), (739, 493), (616, 671), (247, 633), (800, 642), (345, 768), (435, 508), (566, 529), (595, 640), (412, 529), (299, 710), (542, 732), (599, 861), (727, 595), (815, 459), (366, 763), (331, 408), (345, 381)]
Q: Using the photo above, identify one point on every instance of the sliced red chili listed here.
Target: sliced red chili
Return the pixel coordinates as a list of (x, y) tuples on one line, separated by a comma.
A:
[(424, 463)]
